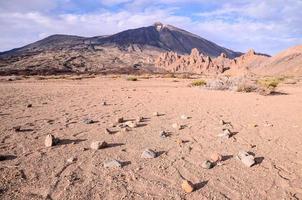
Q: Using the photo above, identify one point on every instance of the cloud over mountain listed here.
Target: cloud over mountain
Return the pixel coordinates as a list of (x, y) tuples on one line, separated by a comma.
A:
[(267, 26)]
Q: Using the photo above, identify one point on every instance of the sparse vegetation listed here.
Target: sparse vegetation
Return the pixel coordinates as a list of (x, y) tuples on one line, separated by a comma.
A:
[(170, 75), (246, 88), (184, 76), (132, 78), (270, 83), (198, 83), (264, 86), (146, 76)]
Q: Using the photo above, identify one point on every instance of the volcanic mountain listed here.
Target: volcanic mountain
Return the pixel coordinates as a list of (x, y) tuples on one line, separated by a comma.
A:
[(121, 52)]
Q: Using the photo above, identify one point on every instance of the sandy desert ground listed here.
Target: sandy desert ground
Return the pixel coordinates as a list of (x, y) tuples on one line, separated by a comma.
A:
[(270, 127)]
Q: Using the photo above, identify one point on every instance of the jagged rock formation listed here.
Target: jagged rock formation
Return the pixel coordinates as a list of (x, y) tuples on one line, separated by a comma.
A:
[(246, 63), (193, 63), (201, 64)]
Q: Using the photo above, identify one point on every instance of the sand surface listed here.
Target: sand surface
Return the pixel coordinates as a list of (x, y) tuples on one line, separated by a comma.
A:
[(270, 127)]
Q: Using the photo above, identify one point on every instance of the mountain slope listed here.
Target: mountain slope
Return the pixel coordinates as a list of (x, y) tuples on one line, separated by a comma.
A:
[(135, 47), (164, 37), (288, 62)]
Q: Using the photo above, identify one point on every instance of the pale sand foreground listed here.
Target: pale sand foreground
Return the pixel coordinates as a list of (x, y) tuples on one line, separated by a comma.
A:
[(33, 171)]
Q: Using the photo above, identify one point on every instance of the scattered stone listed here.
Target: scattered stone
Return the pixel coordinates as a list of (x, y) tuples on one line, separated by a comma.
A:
[(17, 128), (187, 186), (290, 81), (177, 126), (216, 157), (98, 145), (120, 120), (108, 131), (104, 103), (50, 140), (156, 114), (112, 164), (125, 129), (114, 124), (184, 117), (179, 141), (163, 134), (222, 122), (148, 153), (207, 164), (247, 159), (267, 124), (29, 105), (131, 124), (88, 121), (71, 159), (139, 119), (226, 134)]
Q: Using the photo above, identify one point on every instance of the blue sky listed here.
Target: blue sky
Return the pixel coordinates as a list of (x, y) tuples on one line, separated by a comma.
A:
[(268, 26)]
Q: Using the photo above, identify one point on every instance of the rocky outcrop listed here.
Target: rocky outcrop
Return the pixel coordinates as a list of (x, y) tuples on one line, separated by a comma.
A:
[(194, 63), (198, 63)]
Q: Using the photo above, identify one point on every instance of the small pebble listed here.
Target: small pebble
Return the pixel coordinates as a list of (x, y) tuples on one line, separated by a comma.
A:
[(112, 164), (207, 164), (104, 103), (98, 145), (71, 159), (156, 114), (179, 141), (139, 119), (184, 117), (17, 128), (50, 140), (108, 131), (187, 186), (163, 134), (148, 153), (88, 121), (125, 129), (177, 126), (222, 122), (131, 124), (216, 157), (247, 159), (120, 120), (226, 134), (29, 105)]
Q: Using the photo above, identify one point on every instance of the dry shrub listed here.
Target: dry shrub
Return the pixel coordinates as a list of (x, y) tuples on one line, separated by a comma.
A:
[(184, 76), (198, 83), (270, 83), (244, 87), (80, 77), (132, 78), (169, 75), (145, 76)]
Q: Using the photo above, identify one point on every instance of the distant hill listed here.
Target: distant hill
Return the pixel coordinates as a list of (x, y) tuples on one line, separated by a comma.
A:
[(287, 62)]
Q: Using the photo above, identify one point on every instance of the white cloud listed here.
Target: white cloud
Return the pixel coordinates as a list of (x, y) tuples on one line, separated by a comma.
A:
[(268, 26)]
